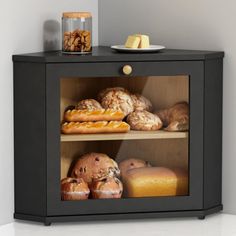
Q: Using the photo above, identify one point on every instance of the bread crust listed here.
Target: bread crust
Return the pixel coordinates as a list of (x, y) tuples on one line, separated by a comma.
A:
[(102, 93), (89, 104), (175, 118), (95, 127), (118, 100), (132, 163), (95, 167), (141, 103), (144, 121), (93, 115)]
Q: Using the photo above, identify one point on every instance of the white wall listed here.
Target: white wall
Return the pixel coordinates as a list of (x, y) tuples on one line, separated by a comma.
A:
[(24, 26), (201, 24)]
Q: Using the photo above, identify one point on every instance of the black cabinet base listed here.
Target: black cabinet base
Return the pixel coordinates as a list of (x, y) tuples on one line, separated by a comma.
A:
[(50, 219)]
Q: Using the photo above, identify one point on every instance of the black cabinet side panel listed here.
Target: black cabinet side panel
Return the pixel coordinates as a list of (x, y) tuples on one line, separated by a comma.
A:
[(29, 139), (213, 133)]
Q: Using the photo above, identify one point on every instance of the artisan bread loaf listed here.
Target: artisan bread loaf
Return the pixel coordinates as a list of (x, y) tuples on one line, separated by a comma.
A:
[(175, 118), (119, 100), (132, 163), (94, 167), (89, 104), (155, 182), (144, 121), (141, 103)]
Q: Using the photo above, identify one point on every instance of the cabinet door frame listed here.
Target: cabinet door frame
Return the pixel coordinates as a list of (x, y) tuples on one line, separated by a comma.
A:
[(54, 72)]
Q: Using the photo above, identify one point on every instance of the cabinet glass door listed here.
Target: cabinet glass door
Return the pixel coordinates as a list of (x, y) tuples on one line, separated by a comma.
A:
[(124, 137)]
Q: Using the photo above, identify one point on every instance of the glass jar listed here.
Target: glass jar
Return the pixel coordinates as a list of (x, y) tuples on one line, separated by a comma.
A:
[(77, 32)]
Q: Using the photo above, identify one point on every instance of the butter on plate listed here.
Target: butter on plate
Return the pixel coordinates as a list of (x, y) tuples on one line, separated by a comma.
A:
[(137, 41)]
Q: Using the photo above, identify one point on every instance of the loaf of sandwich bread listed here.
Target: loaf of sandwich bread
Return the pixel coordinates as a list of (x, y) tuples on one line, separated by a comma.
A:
[(155, 182)]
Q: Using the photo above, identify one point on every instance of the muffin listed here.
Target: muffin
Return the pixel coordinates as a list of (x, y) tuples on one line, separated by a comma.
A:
[(94, 167), (132, 163), (144, 121), (89, 104), (107, 188), (74, 189), (118, 100), (141, 103)]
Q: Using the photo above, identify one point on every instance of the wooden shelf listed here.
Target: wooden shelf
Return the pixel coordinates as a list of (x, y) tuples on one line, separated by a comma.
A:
[(132, 135)]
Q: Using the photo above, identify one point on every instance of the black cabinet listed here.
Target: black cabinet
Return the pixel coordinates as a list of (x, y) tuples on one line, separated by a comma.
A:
[(45, 83)]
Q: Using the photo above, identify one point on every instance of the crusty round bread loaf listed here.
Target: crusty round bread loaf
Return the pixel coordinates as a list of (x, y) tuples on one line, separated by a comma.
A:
[(132, 163), (95, 166), (175, 118), (141, 103), (106, 90), (74, 189), (155, 182), (107, 188), (118, 100), (144, 120), (89, 104)]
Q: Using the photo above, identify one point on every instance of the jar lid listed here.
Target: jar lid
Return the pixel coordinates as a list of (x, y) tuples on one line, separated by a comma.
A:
[(77, 14)]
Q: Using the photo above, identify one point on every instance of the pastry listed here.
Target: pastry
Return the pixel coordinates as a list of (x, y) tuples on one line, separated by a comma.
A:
[(89, 104), (74, 189), (141, 103), (144, 120), (95, 127), (104, 91), (93, 115), (118, 100), (155, 182), (132, 163), (107, 188), (176, 118), (94, 167)]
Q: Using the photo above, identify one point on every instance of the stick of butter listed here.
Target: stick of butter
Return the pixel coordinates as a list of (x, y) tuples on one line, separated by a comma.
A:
[(144, 41), (132, 41)]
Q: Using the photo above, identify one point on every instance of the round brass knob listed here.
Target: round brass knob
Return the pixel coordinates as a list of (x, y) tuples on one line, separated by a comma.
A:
[(127, 69)]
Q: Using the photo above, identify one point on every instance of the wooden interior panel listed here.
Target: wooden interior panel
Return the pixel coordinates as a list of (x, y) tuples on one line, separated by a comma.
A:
[(76, 89), (168, 153), (163, 91), (71, 151)]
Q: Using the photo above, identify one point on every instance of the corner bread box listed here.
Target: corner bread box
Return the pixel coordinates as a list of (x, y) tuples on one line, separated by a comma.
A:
[(117, 136)]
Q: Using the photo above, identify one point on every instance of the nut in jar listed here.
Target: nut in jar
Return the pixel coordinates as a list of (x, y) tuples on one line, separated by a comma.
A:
[(76, 32), (77, 41)]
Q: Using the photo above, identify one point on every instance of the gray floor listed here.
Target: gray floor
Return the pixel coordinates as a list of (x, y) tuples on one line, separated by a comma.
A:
[(215, 225)]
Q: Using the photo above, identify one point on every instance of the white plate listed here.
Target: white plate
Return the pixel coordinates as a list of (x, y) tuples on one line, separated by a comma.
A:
[(152, 48)]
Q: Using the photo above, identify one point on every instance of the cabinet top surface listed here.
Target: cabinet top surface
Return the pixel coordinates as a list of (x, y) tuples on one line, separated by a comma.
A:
[(106, 54)]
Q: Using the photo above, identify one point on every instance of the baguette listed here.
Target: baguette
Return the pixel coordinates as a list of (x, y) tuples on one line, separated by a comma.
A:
[(95, 115), (95, 127)]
